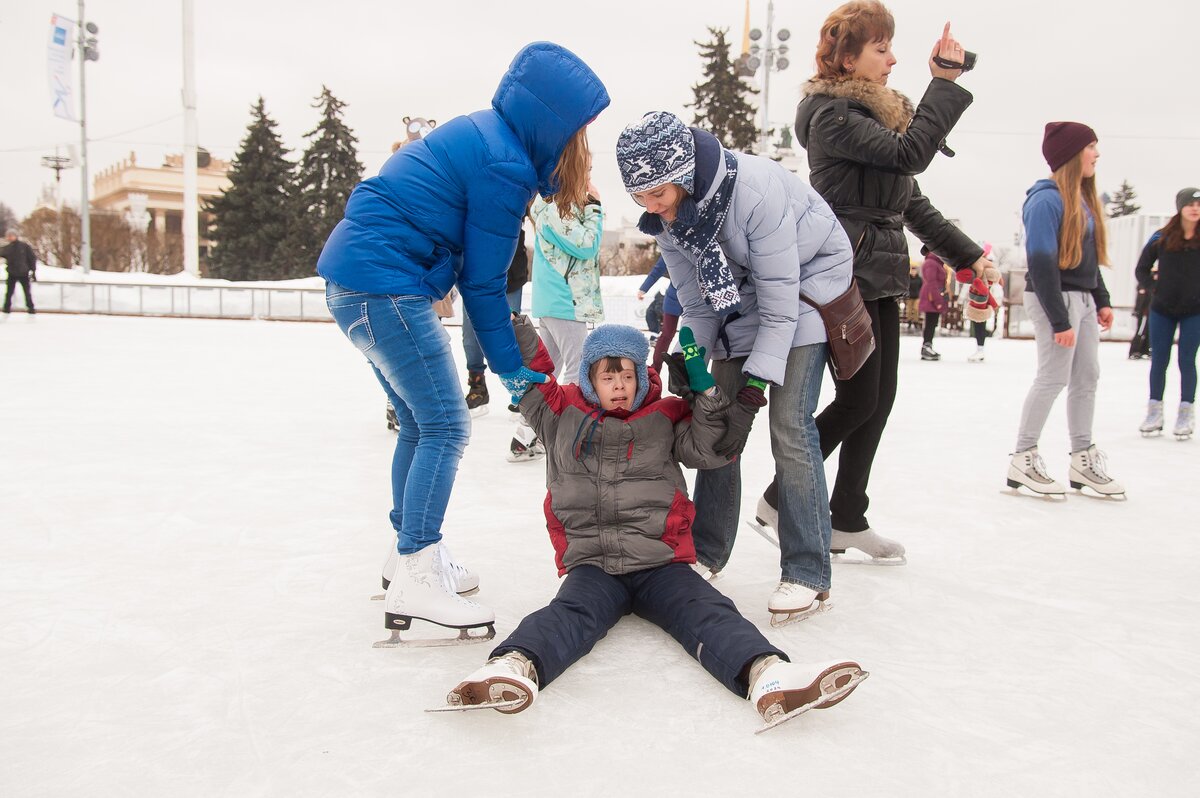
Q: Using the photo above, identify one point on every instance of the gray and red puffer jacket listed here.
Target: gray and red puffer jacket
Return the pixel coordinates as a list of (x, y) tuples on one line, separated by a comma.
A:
[(616, 496)]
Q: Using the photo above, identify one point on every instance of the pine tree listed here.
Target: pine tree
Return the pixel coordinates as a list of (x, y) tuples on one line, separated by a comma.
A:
[(250, 219), (329, 170), (1121, 203), (722, 101)]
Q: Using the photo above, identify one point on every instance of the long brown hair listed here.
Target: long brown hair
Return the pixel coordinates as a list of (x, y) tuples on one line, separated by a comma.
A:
[(571, 174), (1076, 191), (1172, 235), (848, 30)]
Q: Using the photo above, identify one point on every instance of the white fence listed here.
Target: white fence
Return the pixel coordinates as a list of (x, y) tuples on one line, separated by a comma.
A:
[(241, 302)]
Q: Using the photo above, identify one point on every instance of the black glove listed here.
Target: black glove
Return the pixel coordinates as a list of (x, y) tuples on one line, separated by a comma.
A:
[(677, 376), (740, 417)]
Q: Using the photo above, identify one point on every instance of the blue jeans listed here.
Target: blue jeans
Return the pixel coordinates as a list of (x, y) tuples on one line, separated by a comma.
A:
[(1162, 336), (804, 527), (471, 345), (409, 351)]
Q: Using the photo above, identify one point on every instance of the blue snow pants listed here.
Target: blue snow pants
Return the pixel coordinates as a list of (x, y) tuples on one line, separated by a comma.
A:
[(673, 597)]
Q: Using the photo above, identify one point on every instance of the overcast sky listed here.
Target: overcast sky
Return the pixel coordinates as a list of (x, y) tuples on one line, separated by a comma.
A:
[(1038, 61)]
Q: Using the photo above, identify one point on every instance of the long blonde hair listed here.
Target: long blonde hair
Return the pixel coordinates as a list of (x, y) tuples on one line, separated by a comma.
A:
[(572, 174), (1076, 190)]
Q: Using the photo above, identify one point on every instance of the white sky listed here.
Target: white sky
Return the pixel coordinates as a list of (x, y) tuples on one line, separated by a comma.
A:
[(1038, 61)]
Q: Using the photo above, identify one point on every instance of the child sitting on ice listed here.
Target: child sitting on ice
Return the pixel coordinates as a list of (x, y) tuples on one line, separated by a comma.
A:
[(620, 521)]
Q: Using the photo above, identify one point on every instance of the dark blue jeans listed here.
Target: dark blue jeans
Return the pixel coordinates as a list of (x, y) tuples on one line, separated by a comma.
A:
[(471, 347), (673, 597), (1162, 336)]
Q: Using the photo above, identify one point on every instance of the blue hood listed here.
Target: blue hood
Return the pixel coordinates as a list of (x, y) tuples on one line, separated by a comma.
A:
[(546, 95), (1045, 184)]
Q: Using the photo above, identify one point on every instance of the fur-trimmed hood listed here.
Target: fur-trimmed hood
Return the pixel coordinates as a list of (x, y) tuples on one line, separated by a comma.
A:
[(893, 110)]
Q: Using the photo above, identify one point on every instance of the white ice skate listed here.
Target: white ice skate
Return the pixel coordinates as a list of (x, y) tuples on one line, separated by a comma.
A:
[(1185, 422), (1153, 424), (792, 603), (1027, 469), (977, 357), (878, 549), (466, 581), (422, 589), (1089, 469), (786, 690), (766, 521), (507, 684)]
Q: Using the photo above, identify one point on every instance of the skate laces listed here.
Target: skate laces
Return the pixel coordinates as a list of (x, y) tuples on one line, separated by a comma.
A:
[(1038, 465), (451, 571), (1098, 463)]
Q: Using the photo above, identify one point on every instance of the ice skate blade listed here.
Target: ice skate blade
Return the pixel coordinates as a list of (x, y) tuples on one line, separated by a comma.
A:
[(1092, 493), (464, 637), (826, 700), (1014, 489), (839, 557), (1151, 433), (780, 619), (761, 528), (500, 706), (1187, 436)]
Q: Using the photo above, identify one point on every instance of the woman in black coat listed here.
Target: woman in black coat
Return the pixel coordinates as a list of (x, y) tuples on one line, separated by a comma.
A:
[(866, 143)]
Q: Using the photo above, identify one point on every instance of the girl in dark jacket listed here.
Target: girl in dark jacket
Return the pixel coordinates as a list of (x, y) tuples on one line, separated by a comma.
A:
[(1176, 306), (866, 143), (446, 211), (933, 301)]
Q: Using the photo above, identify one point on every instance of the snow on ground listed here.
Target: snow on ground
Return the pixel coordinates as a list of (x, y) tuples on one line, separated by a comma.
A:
[(195, 514)]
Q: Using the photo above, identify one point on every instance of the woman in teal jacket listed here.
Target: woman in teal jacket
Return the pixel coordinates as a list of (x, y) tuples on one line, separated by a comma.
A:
[(446, 211)]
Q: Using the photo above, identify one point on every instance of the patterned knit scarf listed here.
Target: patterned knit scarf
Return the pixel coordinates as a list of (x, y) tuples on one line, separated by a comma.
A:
[(696, 229)]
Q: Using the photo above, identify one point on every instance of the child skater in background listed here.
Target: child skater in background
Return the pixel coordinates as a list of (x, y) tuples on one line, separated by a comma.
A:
[(1065, 298), (620, 521)]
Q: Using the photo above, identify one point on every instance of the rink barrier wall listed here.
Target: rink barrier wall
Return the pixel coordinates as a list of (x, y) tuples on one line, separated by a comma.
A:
[(239, 302)]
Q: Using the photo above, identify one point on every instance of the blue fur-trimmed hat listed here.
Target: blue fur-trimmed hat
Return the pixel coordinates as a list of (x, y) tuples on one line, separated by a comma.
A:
[(656, 150), (615, 340)]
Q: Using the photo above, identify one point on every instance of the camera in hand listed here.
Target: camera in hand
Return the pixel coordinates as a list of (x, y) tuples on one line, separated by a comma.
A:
[(968, 62)]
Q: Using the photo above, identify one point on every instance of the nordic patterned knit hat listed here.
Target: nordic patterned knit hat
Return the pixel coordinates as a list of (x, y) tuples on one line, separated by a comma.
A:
[(656, 150), (615, 340)]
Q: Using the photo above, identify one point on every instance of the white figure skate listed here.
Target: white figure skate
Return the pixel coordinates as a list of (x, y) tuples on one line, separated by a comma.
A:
[(786, 690), (1027, 470), (1089, 469), (1153, 424), (507, 684), (422, 589), (1185, 422), (792, 603), (878, 549), (466, 581)]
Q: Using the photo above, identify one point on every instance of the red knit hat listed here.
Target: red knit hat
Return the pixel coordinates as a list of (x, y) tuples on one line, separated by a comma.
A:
[(1064, 140)]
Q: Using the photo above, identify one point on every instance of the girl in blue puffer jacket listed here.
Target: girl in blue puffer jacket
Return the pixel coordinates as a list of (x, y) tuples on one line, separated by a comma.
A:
[(446, 211)]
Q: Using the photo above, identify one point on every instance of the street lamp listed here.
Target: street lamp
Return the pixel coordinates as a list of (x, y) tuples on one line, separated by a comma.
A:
[(771, 56), (88, 51)]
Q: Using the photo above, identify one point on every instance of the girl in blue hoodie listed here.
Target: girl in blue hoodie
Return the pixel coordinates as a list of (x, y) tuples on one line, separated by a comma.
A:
[(1065, 299), (446, 211)]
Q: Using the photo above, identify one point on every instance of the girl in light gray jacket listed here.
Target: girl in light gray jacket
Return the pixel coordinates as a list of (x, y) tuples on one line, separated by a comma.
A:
[(743, 238)]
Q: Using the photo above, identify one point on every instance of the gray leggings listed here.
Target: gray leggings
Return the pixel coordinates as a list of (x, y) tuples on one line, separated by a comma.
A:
[(1076, 368)]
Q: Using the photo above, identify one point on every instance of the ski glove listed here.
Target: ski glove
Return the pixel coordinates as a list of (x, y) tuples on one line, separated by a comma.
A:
[(740, 417), (693, 361), (518, 382)]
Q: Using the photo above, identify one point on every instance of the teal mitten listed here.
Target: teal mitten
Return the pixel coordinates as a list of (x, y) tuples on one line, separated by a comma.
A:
[(693, 360)]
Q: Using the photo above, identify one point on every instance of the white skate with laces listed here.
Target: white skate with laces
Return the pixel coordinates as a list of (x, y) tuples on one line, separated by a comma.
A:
[(507, 684), (877, 549), (423, 589), (1185, 422), (1153, 425), (792, 603), (1027, 470), (466, 581), (1089, 469), (782, 691)]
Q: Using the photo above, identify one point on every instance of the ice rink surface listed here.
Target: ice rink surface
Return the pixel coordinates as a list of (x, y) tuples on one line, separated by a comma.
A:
[(194, 517)]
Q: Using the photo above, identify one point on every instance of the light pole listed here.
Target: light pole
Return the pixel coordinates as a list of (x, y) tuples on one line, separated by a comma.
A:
[(87, 52), (58, 163), (770, 56), (191, 204)]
